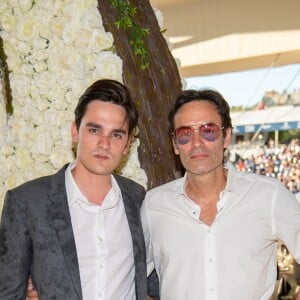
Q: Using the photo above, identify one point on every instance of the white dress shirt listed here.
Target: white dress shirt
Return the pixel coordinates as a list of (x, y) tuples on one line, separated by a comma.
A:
[(234, 258), (103, 243)]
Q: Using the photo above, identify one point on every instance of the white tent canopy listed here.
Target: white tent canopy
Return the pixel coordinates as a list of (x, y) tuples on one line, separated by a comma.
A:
[(270, 119), (211, 37)]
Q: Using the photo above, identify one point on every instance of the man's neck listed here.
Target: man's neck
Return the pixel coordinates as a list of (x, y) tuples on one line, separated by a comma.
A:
[(206, 187), (94, 187), (205, 191)]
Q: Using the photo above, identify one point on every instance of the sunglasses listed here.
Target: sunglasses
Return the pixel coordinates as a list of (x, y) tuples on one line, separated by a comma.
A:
[(210, 132)]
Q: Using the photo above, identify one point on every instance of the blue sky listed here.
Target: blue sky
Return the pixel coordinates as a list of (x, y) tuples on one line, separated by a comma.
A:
[(247, 88)]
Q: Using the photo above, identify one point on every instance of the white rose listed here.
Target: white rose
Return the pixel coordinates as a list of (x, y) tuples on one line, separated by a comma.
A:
[(69, 97), (8, 22), (70, 58), (7, 150), (42, 104), (24, 48), (62, 135), (92, 18), (57, 26), (3, 6), (44, 143), (109, 65), (75, 9), (5, 167), (19, 83), (68, 30), (58, 6), (65, 134), (27, 30), (101, 40), (11, 181), (79, 68), (38, 119), (25, 5), (44, 18), (45, 168), (60, 156), (26, 69), (40, 66), (77, 88), (90, 59), (40, 43), (23, 158), (26, 136), (50, 117), (60, 104), (61, 116), (131, 166), (13, 60), (40, 55), (81, 37), (44, 82)]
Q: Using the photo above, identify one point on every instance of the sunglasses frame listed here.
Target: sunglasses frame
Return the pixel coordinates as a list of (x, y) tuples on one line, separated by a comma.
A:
[(197, 127)]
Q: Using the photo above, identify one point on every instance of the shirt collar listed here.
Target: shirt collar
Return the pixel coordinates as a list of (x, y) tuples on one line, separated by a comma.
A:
[(74, 194), (231, 178)]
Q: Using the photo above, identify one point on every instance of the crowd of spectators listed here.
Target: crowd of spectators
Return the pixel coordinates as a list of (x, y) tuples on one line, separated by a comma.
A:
[(282, 163)]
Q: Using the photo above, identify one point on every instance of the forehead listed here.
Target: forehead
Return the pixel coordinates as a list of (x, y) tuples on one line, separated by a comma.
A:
[(196, 112), (106, 113)]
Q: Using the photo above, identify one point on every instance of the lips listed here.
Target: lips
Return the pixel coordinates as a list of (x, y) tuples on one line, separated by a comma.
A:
[(199, 155), (101, 156)]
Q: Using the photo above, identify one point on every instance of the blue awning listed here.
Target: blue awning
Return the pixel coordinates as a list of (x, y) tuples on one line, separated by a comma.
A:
[(270, 119), (240, 129)]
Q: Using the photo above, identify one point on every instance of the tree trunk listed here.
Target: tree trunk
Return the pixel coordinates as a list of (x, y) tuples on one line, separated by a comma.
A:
[(153, 89)]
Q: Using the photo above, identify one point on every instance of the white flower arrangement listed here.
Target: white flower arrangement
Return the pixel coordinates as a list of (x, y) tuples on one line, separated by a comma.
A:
[(55, 50)]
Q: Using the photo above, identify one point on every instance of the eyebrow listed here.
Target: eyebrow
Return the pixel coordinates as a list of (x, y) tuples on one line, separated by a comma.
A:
[(95, 125)]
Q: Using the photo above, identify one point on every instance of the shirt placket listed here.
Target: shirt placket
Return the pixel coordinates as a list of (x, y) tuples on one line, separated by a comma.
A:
[(102, 256), (210, 264)]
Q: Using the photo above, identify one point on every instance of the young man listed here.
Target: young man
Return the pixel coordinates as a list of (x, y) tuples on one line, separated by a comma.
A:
[(213, 233), (77, 233)]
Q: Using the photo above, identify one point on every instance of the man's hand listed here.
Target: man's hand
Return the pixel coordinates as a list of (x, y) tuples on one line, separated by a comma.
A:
[(31, 292)]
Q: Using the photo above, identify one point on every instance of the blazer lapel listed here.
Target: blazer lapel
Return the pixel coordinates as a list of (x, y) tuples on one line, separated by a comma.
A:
[(61, 217), (131, 199)]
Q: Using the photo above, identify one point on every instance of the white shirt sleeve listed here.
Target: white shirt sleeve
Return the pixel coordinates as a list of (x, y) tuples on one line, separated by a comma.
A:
[(147, 235), (286, 220)]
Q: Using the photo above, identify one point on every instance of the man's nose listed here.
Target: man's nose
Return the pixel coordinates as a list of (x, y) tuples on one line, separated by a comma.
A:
[(197, 138), (104, 141)]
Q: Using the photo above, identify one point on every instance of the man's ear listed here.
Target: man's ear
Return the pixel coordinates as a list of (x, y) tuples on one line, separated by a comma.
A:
[(227, 138), (74, 133), (127, 147), (175, 146)]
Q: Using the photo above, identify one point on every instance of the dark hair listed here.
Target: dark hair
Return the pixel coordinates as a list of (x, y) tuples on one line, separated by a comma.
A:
[(202, 95), (108, 90)]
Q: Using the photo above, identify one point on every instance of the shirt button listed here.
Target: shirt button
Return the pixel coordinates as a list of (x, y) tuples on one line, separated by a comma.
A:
[(210, 260)]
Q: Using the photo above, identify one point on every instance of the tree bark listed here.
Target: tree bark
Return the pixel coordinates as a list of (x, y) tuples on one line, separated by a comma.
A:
[(153, 89)]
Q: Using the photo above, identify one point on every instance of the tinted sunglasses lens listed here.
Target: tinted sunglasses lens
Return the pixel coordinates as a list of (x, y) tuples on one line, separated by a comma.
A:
[(183, 135), (210, 132)]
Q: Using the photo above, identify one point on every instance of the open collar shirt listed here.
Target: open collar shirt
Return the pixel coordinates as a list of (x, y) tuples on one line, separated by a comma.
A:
[(232, 259), (103, 243)]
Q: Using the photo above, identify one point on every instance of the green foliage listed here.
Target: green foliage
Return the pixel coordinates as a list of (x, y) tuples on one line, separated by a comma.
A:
[(287, 135), (4, 80), (137, 34)]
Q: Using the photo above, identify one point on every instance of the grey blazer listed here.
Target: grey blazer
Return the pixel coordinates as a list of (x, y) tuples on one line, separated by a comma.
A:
[(36, 237)]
